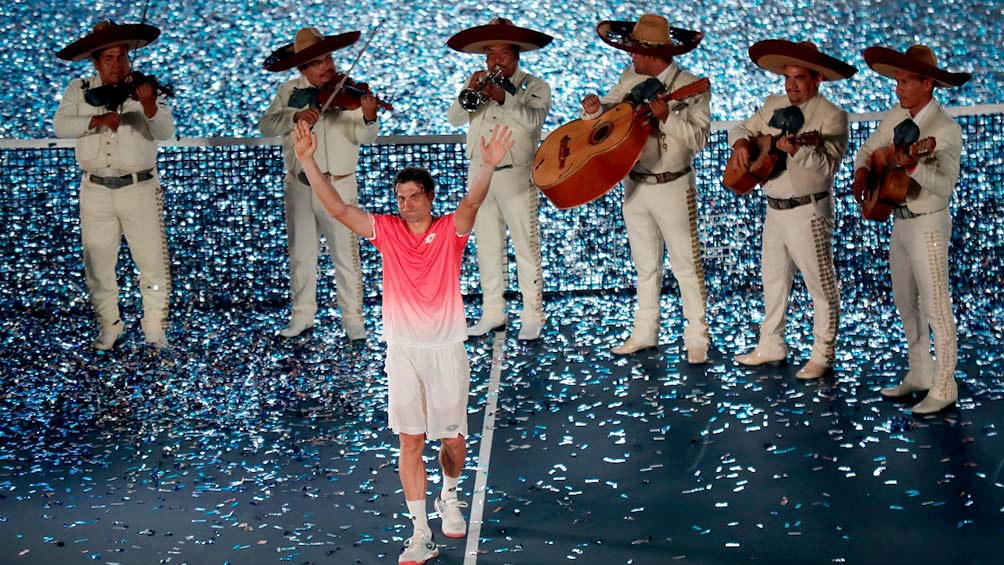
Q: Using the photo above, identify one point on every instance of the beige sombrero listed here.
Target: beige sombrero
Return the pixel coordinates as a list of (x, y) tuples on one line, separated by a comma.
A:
[(308, 44), (774, 54), (918, 59), (650, 35), (105, 34), (498, 30)]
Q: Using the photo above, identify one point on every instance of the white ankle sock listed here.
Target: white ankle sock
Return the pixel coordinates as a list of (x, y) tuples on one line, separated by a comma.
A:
[(418, 515), (449, 487)]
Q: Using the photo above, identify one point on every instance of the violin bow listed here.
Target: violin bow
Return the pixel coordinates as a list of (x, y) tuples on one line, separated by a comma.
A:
[(345, 77)]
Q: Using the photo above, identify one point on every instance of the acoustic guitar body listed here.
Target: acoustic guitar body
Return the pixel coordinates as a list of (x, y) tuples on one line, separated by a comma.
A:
[(888, 186), (762, 161), (583, 159)]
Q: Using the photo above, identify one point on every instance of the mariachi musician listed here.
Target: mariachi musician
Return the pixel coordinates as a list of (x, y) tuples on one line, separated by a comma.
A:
[(505, 94), (117, 116), (660, 195), (340, 130), (922, 228), (798, 228)]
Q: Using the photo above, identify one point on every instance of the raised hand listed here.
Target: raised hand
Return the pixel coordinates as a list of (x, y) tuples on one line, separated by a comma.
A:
[(591, 104), (494, 149), (306, 142)]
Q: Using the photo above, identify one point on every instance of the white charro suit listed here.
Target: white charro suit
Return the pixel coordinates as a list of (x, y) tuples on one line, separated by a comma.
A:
[(339, 135), (918, 250), (135, 210), (801, 236), (512, 198), (667, 212)]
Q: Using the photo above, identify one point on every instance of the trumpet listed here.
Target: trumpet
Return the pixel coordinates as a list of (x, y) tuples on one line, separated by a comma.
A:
[(472, 98)]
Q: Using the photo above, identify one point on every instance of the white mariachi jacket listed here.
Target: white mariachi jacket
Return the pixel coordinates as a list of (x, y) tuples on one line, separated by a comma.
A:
[(339, 133), (131, 149), (523, 112), (937, 173), (812, 169), (670, 148)]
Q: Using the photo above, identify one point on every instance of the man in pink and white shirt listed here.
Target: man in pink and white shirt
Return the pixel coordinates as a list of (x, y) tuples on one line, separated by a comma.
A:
[(428, 372)]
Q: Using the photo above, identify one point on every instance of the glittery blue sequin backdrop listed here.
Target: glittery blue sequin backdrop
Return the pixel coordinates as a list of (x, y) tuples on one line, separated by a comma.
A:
[(227, 235), (212, 52)]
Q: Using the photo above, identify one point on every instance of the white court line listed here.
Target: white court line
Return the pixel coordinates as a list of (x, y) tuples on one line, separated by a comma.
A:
[(485, 452)]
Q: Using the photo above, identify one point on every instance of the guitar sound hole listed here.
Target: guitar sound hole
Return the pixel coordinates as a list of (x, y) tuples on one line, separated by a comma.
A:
[(601, 132)]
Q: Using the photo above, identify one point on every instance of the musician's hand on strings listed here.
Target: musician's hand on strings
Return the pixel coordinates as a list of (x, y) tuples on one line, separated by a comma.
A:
[(741, 154), (786, 143), (146, 94), (368, 103), (306, 142), (860, 187), (110, 120), (660, 109), (905, 159), (591, 104), (309, 115)]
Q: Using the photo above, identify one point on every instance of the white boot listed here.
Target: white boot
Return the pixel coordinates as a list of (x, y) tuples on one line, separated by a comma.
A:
[(109, 336), (296, 327), (486, 325)]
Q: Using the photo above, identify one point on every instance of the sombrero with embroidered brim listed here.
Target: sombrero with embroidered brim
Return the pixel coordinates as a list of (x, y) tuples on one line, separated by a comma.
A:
[(774, 54), (307, 45), (918, 59), (106, 34), (650, 35), (498, 30)]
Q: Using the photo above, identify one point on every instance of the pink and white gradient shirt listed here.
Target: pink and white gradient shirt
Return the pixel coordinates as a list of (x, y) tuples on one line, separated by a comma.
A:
[(422, 304)]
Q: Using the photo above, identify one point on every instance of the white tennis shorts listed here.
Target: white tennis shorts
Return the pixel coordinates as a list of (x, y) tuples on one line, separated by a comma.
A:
[(427, 390)]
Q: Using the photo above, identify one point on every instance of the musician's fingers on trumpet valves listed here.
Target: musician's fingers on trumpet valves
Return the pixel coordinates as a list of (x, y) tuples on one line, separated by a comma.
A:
[(481, 86)]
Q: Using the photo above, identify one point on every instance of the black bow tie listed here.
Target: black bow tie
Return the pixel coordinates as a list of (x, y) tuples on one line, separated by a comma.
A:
[(788, 120), (906, 133), (645, 91), (303, 97), (108, 96)]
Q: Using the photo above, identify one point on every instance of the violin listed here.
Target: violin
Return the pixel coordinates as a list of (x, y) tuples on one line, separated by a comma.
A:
[(111, 96), (348, 98)]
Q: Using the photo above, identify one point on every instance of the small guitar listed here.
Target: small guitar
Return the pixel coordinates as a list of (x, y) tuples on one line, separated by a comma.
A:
[(583, 159), (888, 184), (764, 159)]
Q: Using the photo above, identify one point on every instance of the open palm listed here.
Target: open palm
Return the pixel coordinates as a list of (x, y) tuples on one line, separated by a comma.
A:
[(495, 148), (306, 142)]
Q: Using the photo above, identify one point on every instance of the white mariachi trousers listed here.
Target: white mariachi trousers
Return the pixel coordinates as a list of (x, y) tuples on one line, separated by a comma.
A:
[(512, 201), (654, 214), (800, 238), (137, 211), (306, 219), (918, 259)]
